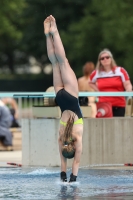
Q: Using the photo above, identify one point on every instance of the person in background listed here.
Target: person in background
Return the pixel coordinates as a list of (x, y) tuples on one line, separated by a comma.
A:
[(13, 107), (5, 124), (108, 77), (66, 89), (85, 87)]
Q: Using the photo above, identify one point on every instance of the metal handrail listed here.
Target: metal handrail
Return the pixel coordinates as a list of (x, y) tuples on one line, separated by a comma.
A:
[(52, 94)]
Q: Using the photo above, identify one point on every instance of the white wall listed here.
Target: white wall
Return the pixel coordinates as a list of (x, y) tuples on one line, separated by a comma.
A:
[(105, 141)]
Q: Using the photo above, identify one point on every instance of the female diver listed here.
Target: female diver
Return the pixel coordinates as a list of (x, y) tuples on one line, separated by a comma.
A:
[(66, 89)]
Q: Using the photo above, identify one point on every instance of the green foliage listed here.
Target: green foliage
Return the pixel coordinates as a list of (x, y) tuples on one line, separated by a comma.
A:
[(10, 31), (65, 12), (107, 24), (85, 26), (10, 14)]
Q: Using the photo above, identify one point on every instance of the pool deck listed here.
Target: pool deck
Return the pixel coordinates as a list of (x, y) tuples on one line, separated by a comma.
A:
[(10, 157), (16, 157), (114, 167)]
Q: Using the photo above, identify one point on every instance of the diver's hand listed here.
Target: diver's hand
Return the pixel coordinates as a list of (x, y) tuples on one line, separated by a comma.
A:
[(63, 176), (72, 178)]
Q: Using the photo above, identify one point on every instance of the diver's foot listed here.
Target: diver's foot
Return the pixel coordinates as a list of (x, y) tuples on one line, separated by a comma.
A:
[(53, 27), (46, 25)]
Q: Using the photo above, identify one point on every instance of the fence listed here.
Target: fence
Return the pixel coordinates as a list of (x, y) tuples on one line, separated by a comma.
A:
[(26, 100)]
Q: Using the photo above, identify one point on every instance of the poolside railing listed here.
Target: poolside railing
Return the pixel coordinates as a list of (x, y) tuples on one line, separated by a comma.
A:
[(26, 100)]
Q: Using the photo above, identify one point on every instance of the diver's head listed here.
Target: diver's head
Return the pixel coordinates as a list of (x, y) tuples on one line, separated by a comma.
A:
[(68, 150)]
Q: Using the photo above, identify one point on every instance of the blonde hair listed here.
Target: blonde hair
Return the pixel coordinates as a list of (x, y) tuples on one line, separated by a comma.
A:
[(99, 66), (67, 136)]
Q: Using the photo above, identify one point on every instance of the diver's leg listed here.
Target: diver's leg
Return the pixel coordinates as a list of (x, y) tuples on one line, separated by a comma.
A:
[(57, 80), (68, 76)]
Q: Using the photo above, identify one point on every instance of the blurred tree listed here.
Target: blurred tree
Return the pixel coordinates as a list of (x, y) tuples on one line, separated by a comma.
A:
[(107, 24), (65, 12), (10, 31), (86, 27)]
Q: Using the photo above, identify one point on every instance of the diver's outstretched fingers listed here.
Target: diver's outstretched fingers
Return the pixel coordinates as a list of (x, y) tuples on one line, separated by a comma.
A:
[(46, 24)]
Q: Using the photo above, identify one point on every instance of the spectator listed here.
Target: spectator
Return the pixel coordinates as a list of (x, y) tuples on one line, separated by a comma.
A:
[(13, 107), (108, 77), (50, 101), (5, 123), (85, 87)]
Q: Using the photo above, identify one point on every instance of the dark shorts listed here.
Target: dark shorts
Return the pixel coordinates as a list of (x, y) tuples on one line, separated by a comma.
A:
[(118, 111)]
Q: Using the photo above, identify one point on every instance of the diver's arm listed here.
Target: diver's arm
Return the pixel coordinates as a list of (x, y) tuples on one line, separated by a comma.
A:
[(63, 160), (76, 161)]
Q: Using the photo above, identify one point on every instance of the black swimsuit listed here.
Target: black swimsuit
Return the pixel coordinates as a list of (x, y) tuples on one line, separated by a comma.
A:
[(68, 102)]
